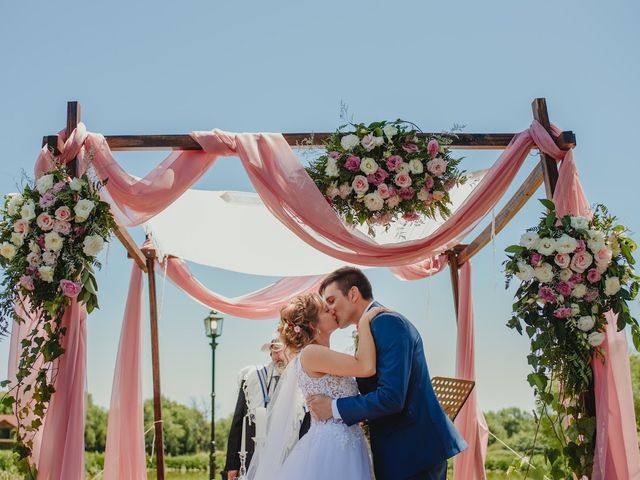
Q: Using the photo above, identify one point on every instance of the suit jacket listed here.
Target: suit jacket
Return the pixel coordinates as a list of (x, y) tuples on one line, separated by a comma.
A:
[(409, 431)]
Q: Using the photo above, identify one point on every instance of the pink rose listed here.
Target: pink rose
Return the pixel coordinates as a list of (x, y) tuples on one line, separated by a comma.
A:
[(383, 219), (21, 226), (352, 163), (410, 147), (437, 166), (604, 255), (27, 282), (378, 177), (593, 275), (403, 180), (383, 190), (576, 278), (77, 231), (407, 193), (562, 260), (335, 155), (63, 213), (70, 289), (61, 227), (47, 200), (438, 195), (433, 147), (410, 216), (535, 259), (428, 182), (332, 192), (393, 162), (360, 184), (581, 261), (581, 246), (564, 288), (547, 294), (563, 312), (45, 221)]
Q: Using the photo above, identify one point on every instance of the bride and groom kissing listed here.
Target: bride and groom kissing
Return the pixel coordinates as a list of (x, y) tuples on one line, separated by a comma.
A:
[(386, 383)]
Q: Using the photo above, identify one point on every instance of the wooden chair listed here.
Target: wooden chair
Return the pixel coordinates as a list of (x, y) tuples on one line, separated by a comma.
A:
[(452, 393)]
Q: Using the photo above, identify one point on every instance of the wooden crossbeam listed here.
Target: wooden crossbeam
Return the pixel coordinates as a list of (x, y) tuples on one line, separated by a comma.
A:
[(469, 141)]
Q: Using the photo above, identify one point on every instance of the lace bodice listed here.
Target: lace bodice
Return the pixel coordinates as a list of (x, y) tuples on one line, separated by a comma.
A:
[(329, 385)]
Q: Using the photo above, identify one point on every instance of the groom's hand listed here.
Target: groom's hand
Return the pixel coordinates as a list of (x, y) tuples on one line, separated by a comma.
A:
[(320, 406)]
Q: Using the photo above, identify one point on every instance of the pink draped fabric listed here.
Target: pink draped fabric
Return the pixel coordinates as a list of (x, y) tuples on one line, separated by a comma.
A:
[(62, 452), (469, 465), (422, 269), (617, 456), (261, 304), (124, 457)]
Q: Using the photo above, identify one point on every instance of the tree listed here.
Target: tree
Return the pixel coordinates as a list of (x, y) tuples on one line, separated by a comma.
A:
[(634, 361), (95, 429)]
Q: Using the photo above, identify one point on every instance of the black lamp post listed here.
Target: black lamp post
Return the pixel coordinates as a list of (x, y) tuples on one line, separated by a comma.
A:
[(213, 329)]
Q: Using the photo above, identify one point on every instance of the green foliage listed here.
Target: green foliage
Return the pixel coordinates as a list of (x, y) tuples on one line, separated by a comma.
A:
[(95, 430)]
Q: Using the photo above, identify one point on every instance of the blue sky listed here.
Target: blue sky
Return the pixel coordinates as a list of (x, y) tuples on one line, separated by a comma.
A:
[(167, 67)]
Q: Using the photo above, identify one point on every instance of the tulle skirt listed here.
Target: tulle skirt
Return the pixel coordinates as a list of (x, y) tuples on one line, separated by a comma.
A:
[(329, 451)]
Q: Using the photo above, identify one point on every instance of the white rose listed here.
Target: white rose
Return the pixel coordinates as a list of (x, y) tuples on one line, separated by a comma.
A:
[(525, 272), (76, 184), (438, 195), (368, 165), (82, 209), (373, 201), (614, 244), (611, 286), (580, 223), (331, 170), (7, 250), (92, 245), (49, 258), (544, 273), (595, 338), (33, 259), (34, 247), (17, 239), (378, 141), (566, 244), (332, 190), (390, 131), (46, 273), (596, 240), (529, 240), (28, 211), (415, 166), (44, 183), (546, 246), (586, 323), (53, 241), (14, 202), (578, 291), (369, 142), (565, 274), (575, 309), (348, 142)]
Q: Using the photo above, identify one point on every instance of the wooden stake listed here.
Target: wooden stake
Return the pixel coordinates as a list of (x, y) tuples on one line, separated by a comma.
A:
[(73, 118), (549, 166), (155, 360)]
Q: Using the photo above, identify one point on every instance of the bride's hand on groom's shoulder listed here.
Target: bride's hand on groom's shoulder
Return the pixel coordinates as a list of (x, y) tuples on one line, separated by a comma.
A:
[(372, 313)]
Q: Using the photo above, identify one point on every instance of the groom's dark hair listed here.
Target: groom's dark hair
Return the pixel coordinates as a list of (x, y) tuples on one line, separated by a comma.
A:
[(347, 277)]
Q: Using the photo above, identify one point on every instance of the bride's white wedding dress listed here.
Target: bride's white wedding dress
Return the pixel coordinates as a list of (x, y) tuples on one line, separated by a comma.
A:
[(331, 449)]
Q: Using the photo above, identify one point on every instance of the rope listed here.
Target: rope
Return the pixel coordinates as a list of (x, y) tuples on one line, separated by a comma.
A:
[(522, 458)]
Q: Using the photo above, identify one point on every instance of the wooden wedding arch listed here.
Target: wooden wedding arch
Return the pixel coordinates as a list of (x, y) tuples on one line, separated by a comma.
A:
[(545, 171)]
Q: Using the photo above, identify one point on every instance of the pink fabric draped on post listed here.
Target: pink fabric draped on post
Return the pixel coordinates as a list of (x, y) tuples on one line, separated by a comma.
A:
[(262, 304), (124, 458), (617, 455), (62, 452), (469, 465)]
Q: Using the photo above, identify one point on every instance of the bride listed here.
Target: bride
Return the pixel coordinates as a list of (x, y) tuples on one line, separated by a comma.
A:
[(330, 449)]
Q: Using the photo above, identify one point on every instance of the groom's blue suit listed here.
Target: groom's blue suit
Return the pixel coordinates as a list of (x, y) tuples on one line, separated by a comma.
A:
[(411, 436)]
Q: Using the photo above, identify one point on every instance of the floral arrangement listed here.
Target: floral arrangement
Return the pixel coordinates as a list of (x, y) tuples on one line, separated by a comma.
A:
[(572, 271), (384, 171), (50, 235)]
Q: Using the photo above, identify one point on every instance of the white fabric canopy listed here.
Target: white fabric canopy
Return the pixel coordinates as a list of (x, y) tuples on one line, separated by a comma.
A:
[(236, 232)]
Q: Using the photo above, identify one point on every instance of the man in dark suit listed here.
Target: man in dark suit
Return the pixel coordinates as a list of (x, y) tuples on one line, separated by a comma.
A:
[(411, 436), (258, 384)]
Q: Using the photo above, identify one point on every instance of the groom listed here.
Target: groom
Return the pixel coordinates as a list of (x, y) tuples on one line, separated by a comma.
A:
[(411, 436)]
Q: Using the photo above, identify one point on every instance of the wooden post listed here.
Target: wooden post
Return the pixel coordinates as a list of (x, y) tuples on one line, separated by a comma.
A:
[(155, 360), (549, 166), (73, 118), (453, 270)]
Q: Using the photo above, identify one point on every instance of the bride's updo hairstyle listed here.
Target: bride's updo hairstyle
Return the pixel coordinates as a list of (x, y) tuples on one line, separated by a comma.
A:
[(299, 320)]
